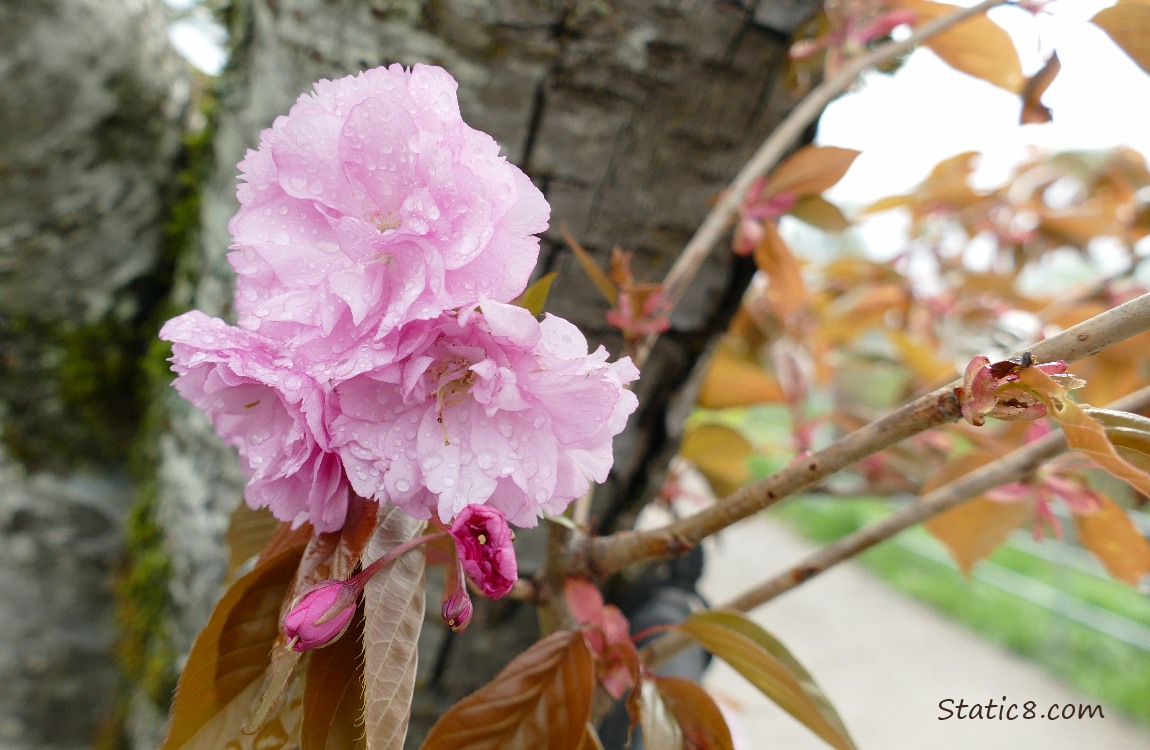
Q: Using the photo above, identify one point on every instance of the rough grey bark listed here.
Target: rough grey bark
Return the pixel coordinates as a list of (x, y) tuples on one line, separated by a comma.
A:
[(631, 116), (91, 119)]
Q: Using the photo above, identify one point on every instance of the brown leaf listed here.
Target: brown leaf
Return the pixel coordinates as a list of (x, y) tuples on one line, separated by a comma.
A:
[(1083, 433), (249, 532), (976, 46), (1128, 24), (542, 699), (974, 530), (358, 528), (593, 270), (810, 170), (786, 292), (731, 381), (700, 720), (393, 608), (333, 696), (1115, 541), (769, 666), (820, 213), (225, 669), (1034, 112), (720, 454)]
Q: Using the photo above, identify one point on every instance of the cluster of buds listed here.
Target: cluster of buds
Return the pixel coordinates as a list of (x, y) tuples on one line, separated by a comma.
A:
[(484, 552)]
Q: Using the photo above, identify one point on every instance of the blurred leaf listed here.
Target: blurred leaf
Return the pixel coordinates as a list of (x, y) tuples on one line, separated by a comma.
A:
[(926, 364), (534, 298), (393, 609), (810, 170), (976, 46), (731, 381), (542, 699), (593, 270), (820, 213), (720, 454), (769, 666), (699, 719), (1034, 112), (660, 730), (947, 186), (333, 696), (787, 292), (249, 532), (591, 739), (974, 530), (1083, 433), (1128, 433), (226, 666), (1115, 541), (1128, 24)]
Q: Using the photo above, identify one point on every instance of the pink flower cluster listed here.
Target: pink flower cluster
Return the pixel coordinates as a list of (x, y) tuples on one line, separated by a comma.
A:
[(377, 246)]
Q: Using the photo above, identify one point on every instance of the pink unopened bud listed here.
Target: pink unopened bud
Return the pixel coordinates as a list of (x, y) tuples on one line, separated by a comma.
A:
[(320, 614), (457, 610), (483, 542)]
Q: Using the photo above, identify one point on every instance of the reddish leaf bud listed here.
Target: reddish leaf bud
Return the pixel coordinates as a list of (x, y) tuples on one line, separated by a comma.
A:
[(320, 614), (456, 610), (483, 542)]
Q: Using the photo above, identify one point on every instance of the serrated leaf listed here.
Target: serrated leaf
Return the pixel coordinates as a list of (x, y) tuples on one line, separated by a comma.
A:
[(820, 213), (1083, 433), (810, 170), (333, 695), (720, 454), (249, 531), (770, 667), (534, 298), (542, 699), (1115, 541), (976, 46), (1128, 24), (974, 530), (699, 719), (593, 270), (225, 669), (393, 610), (660, 730), (731, 381)]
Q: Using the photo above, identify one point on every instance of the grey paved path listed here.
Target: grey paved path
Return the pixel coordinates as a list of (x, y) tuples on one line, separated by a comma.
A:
[(886, 662)]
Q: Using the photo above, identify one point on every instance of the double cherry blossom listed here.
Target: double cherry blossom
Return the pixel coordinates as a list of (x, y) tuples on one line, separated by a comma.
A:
[(377, 247)]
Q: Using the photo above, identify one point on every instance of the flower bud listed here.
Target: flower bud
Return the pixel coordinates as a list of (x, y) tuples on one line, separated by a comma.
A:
[(483, 543), (457, 610), (320, 614)]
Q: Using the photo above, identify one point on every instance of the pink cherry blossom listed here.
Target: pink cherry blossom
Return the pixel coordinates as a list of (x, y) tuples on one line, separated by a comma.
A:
[(270, 411), (483, 543), (496, 408), (372, 204)]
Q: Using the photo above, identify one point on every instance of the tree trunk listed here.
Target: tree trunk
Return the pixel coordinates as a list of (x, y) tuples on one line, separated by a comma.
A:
[(92, 118), (631, 116)]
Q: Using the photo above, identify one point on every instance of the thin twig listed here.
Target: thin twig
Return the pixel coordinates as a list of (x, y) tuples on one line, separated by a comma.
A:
[(1012, 467), (608, 554), (781, 139)]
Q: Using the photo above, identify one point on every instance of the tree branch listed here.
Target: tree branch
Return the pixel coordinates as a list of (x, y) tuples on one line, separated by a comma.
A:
[(781, 139), (1012, 467), (608, 554)]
